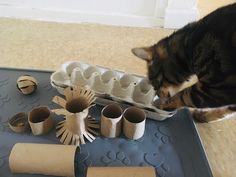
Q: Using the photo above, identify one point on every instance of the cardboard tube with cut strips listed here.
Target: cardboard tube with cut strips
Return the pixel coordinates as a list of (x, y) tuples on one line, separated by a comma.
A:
[(121, 172), (78, 126), (134, 123), (46, 159), (40, 120), (111, 119)]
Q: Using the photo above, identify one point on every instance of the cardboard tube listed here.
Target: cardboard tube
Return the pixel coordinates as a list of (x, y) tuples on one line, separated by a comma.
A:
[(111, 119), (121, 172), (40, 120), (46, 159), (134, 123), (19, 122)]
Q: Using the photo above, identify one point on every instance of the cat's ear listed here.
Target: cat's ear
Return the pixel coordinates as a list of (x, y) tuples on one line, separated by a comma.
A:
[(144, 53)]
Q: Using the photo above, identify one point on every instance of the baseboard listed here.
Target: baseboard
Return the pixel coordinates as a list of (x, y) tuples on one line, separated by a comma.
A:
[(79, 17), (177, 18)]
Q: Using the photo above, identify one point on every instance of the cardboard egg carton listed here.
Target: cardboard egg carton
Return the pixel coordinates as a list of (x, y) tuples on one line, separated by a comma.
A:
[(110, 86)]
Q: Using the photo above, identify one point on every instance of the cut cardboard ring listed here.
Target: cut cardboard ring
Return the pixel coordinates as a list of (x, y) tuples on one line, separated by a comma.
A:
[(40, 120), (19, 122), (111, 120), (134, 123)]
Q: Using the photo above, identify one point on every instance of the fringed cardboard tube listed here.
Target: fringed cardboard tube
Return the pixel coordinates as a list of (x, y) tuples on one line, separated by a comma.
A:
[(121, 172), (78, 125), (19, 122), (134, 123), (111, 119), (46, 159), (40, 120)]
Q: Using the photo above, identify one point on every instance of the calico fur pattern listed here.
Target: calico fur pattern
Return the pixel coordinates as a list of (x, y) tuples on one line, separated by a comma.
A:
[(206, 49)]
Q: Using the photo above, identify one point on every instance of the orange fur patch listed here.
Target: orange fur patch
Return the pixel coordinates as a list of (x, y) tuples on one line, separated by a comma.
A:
[(162, 52)]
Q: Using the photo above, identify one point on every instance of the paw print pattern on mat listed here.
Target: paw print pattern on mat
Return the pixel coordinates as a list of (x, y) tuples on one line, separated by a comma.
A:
[(28, 104), (158, 162), (162, 170), (3, 124), (4, 99), (163, 135), (4, 151), (83, 162), (115, 158), (4, 81), (47, 87)]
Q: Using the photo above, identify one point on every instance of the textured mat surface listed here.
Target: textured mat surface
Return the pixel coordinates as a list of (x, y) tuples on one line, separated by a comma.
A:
[(171, 146)]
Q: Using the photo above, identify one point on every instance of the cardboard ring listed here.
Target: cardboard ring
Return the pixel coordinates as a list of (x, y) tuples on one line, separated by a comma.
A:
[(40, 120), (134, 123), (19, 122), (111, 120)]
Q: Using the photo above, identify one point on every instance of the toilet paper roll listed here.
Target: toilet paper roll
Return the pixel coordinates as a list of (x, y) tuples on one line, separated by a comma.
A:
[(121, 172), (40, 120), (134, 123), (111, 119), (46, 159)]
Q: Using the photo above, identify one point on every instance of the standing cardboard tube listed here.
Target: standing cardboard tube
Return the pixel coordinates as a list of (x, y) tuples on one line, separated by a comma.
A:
[(46, 159), (134, 123), (111, 119), (40, 120)]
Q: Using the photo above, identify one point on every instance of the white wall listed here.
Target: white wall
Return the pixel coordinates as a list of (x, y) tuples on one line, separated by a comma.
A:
[(141, 13)]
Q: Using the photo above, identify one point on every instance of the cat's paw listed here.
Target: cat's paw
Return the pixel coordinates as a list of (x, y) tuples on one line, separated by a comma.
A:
[(164, 104)]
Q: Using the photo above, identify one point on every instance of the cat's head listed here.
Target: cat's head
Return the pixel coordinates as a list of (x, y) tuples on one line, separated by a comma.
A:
[(165, 73)]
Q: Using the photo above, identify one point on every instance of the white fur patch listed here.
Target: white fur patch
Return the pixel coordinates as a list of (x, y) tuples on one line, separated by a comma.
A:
[(176, 89)]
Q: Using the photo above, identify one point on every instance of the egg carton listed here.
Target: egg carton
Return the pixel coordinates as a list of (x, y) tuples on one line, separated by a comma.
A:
[(110, 86)]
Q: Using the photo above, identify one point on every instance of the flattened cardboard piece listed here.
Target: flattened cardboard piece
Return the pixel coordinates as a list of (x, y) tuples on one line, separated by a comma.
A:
[(77, 125), (40, 120), (46, 159), (111, 120), (19, 122), (27, 84), (121, 172), (134, 123), (60, 101)]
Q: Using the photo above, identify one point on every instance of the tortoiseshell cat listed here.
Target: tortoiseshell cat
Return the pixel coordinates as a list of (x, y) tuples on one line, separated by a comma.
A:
[(196, 66)]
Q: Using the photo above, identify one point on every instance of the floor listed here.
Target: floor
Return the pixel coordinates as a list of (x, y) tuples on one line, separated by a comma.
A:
[(44, 45)]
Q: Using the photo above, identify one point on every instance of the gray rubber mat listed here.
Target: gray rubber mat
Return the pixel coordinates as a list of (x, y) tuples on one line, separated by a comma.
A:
[(171, 146)]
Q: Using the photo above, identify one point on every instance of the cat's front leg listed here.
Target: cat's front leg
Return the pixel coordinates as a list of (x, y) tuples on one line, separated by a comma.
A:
[(181, 99), (172, 103)]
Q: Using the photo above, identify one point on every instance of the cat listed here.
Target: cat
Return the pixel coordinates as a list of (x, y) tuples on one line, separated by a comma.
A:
[(195, 67)]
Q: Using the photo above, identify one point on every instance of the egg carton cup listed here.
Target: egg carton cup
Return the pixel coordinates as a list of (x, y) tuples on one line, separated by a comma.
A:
[(110, 86)]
